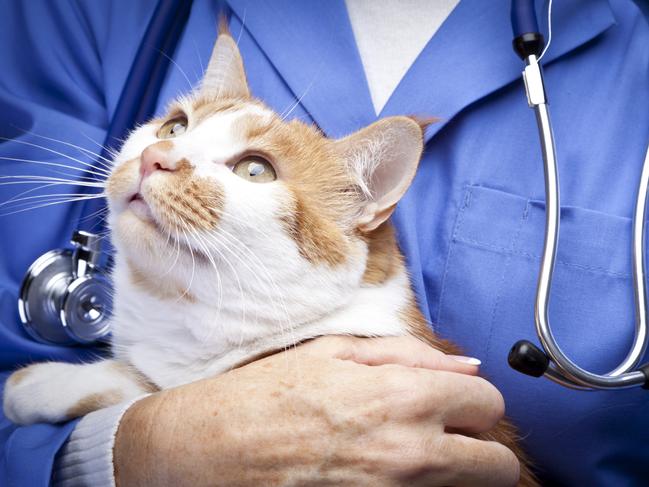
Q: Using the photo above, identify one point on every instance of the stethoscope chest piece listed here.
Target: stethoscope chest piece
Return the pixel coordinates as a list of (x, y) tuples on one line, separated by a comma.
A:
[(65, 297)]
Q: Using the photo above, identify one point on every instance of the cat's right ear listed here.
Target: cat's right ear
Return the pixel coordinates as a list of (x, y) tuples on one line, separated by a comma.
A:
[(225, 76), (383, 159)]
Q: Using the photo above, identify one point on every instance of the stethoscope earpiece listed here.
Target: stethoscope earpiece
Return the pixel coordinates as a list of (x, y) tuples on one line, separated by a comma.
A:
[(65, 297)]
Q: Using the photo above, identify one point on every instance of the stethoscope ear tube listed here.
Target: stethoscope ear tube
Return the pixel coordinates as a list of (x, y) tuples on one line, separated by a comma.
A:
[(523, 17), (527, 39)]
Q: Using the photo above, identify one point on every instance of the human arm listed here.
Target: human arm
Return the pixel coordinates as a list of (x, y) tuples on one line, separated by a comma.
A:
[(315, 413)]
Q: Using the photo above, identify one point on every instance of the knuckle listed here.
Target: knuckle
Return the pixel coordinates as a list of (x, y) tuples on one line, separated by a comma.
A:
[(412, 342), (493, 399), (424, 457), (330, 341), (510, 465), (402, 381), (334, 345)]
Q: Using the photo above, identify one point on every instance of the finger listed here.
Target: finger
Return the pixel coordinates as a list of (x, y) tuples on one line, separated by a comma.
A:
[(462, 402), (476, 462), (404, 350)]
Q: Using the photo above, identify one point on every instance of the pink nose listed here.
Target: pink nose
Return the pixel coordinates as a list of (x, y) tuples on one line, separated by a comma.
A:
[(154, 158)]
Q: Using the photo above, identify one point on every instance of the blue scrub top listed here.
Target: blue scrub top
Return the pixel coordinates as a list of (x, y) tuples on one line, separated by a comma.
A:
[(472, 224)]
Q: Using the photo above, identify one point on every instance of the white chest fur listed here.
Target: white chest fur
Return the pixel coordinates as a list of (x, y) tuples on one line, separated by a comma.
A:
[(178, 341)]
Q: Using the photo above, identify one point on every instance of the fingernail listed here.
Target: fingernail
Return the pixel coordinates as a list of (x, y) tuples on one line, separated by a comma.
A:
[(466, 360)]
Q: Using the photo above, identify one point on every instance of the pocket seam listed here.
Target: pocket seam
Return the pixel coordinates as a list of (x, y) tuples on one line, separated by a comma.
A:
[(506, 251), (503, 276), (459, 218)]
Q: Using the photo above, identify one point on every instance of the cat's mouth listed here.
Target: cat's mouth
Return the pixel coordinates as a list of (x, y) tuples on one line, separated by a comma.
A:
[(141, 208)]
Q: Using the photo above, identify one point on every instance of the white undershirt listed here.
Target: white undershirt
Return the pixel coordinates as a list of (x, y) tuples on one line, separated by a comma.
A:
[(390, 34)]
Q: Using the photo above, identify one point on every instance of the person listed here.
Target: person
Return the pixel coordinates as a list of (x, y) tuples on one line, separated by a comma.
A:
[(471, 227)]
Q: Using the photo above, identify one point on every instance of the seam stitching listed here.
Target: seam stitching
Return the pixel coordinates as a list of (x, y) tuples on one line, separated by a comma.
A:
[(456, 227)]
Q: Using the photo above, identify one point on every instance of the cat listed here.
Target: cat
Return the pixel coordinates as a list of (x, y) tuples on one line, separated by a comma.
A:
[(237, 234)]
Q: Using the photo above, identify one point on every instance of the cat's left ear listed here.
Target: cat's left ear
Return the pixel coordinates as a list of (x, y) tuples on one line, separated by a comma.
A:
[(225, 76), (383, 158)]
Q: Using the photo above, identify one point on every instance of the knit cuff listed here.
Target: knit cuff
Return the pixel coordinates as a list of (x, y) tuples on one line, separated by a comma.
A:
[(86, 459)]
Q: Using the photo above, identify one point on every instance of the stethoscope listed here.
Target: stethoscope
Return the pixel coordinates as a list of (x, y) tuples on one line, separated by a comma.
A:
[(65, 296), (551, 362)]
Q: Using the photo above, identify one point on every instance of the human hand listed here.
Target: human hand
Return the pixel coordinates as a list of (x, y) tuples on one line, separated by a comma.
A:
[(338, 410)]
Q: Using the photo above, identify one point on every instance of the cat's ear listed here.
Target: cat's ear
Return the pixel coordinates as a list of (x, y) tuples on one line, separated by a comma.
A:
[(225, 76), (383, 158)]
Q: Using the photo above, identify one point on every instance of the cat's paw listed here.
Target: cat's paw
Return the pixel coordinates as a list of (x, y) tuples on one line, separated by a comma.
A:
[(34, 394), (54, 392)]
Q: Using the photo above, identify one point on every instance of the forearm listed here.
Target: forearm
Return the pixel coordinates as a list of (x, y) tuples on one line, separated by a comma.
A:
[(269, 424), (155, 444)]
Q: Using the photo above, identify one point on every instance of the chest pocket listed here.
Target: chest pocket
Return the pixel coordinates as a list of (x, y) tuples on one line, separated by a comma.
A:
[(487, 303), (487, 297)]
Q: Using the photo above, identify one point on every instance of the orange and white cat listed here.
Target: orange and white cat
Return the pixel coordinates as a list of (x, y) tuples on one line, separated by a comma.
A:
[(238, 233)]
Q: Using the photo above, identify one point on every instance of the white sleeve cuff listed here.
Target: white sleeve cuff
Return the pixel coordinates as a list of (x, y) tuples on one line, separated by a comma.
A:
[(86, 459)]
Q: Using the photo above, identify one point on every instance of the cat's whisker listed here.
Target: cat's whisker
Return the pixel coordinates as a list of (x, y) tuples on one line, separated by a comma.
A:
[(204, 245), (176, 247), (278, 300), (77, 177), (283, 116), (214, 238), (182, 71), (111, 152), (54, 164), (16, 199), (47, 149), (25, 179), (51, 204), (191, 279), (107, 164), (238, 243), (220, 289), (297, 102), (25, 201), (100, 215), (200, 61)]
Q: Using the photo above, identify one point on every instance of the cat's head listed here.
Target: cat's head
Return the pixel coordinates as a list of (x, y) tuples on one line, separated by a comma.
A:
[(221, 199)]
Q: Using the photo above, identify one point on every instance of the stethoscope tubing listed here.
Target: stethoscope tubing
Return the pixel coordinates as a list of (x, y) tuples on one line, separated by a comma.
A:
[(561, 369)]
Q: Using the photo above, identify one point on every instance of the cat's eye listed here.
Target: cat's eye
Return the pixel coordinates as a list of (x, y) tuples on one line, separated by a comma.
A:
[(173, 127), (255, 169)]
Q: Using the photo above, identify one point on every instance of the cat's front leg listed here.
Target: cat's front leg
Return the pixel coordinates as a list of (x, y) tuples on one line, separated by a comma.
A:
[(55, 391)]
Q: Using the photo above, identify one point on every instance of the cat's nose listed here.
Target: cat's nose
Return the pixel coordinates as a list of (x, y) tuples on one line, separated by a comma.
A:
[(156, 157)]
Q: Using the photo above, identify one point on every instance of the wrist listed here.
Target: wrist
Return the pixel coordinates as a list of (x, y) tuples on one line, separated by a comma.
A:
[(137, 455)]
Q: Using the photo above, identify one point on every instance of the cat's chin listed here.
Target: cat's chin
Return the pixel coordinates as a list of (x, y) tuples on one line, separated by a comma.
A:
[(138, 232), (135, 225)]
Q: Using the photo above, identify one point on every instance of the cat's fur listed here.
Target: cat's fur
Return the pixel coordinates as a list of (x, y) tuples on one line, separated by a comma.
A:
[(214, 270)]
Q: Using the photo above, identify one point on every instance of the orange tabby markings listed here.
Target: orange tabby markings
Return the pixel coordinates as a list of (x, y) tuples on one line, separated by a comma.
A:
[(129, 370), (383, 258), (318, 240), (196, 202), (206, 106), (93, 402), (18, 376)]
